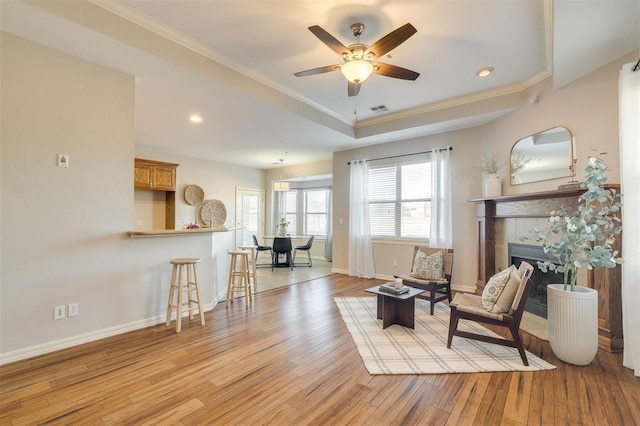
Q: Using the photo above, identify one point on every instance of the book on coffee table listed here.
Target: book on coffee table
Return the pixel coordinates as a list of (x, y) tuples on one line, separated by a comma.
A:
[(391, 289)]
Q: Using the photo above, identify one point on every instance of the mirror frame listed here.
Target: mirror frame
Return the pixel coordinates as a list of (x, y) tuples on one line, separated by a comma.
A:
[(570, 159)]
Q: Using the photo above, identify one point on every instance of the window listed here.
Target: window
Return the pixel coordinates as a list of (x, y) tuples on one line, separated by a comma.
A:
[(315, 211), (306, 210), (400, 200)]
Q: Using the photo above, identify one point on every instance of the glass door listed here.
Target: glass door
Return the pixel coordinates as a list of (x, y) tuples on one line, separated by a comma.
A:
[(249, 215)]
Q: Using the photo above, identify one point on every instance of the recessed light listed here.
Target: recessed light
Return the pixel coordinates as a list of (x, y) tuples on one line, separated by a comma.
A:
[(195, 118), (483, 72)]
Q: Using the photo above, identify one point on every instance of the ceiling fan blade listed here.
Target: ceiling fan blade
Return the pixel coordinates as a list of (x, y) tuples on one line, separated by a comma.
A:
[(389, 70), (353, 88), (391, 40), (329, 40), (319, 70)]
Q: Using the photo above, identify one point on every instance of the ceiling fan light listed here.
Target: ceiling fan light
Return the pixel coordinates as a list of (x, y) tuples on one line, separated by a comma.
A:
[(280, 186), (357, 71)]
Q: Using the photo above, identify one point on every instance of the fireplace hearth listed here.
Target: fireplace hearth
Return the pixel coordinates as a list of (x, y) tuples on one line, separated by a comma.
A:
[(537, 300)]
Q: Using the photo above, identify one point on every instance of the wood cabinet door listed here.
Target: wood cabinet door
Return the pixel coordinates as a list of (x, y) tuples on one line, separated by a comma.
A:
[(154, 175), (164, 178), (143, 176)]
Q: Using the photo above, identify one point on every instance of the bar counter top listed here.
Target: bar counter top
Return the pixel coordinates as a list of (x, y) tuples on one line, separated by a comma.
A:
[(177, 232)]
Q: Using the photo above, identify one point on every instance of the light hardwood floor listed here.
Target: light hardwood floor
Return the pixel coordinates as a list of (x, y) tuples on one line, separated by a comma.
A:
[(290, 360)]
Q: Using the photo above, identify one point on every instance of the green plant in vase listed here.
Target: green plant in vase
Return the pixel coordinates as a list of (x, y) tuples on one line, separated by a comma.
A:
[(584, 237), (283, 226)]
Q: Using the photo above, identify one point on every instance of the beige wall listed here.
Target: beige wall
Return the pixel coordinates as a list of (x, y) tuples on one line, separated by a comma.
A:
[(588, 107), (64, 229), (465, 185), (218, 180)]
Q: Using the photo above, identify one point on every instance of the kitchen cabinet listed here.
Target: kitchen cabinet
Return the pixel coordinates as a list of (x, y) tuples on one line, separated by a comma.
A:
[(154, 175), (161, 177)]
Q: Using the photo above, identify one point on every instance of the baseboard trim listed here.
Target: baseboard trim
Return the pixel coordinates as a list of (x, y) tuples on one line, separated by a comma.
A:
[(80, 339)]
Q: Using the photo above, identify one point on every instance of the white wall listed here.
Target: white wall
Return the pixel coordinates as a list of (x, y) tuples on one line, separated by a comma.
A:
[(465, 185)]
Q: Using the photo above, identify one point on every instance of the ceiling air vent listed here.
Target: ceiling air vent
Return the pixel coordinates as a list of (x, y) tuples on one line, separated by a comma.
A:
[(378, 109)]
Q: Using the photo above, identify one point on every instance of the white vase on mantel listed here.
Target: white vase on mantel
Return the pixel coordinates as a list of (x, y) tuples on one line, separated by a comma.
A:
[(492, 186), (573, 323)]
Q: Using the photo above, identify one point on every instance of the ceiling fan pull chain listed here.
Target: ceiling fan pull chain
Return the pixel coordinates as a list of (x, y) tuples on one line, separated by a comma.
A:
[(355, 107)]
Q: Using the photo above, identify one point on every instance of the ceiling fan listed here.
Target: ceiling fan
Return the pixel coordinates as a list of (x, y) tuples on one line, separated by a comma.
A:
[(360, 59)]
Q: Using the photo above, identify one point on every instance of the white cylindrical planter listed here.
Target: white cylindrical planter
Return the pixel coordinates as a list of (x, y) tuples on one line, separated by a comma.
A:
[(492, 186), (573, 323)]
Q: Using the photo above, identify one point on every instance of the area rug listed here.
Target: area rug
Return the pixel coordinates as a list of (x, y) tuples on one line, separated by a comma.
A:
[(423, 350)]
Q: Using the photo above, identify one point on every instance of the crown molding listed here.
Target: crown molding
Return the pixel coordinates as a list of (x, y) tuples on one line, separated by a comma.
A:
[(137, 18)]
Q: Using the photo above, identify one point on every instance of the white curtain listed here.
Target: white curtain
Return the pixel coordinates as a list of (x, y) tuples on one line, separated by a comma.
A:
[(629, 98), (360, 248), (441, 229), (278, 210)]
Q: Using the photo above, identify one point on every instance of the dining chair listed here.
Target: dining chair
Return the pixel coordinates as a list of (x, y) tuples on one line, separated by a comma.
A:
[(260, 248), (306, 247), (281, 246)]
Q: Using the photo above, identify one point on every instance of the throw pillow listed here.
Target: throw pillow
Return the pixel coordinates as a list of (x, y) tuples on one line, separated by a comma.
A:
[(494, 288), (428, 267), (503, 304)]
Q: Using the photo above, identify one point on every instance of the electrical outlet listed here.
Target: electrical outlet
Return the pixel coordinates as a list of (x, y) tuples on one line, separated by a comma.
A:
[(395, 262), (74, 309), (58, 312)]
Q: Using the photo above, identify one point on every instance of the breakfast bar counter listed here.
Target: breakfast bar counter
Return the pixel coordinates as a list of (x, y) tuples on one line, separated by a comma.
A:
[(176, 232)]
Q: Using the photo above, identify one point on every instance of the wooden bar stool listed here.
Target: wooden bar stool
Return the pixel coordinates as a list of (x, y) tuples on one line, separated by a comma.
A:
[(253, 276), (239, 276), (184, 279)]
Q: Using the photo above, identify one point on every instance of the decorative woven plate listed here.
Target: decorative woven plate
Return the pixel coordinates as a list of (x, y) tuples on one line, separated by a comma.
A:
[(213, 213), (193, 194)]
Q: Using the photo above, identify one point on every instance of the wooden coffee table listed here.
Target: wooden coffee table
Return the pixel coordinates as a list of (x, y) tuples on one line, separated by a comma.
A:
[(396, 309)]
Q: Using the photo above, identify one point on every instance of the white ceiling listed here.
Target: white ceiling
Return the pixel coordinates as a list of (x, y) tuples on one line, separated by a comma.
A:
[(233, 63)]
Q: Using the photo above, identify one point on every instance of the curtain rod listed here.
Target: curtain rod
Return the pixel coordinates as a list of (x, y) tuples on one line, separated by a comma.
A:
[(405, 155), (636, 66)]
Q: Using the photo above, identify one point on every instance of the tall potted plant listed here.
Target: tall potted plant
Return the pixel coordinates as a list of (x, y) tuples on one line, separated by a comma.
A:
[(577, 239)]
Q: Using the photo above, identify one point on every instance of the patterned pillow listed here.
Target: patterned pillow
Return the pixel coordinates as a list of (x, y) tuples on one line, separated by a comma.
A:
[(503, 304), (494, 288), (428, 267)]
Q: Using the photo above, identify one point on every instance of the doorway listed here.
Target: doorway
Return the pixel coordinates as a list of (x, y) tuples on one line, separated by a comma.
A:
[(249, 215)]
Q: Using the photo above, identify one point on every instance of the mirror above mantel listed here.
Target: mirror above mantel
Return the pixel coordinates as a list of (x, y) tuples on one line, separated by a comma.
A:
[(542, 156)]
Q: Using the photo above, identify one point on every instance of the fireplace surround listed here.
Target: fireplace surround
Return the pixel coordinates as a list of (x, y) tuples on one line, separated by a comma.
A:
[(490, 211)]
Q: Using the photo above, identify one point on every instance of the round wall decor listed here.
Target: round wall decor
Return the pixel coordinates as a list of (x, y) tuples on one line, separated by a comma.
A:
[(193, 194), (213, 213)]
